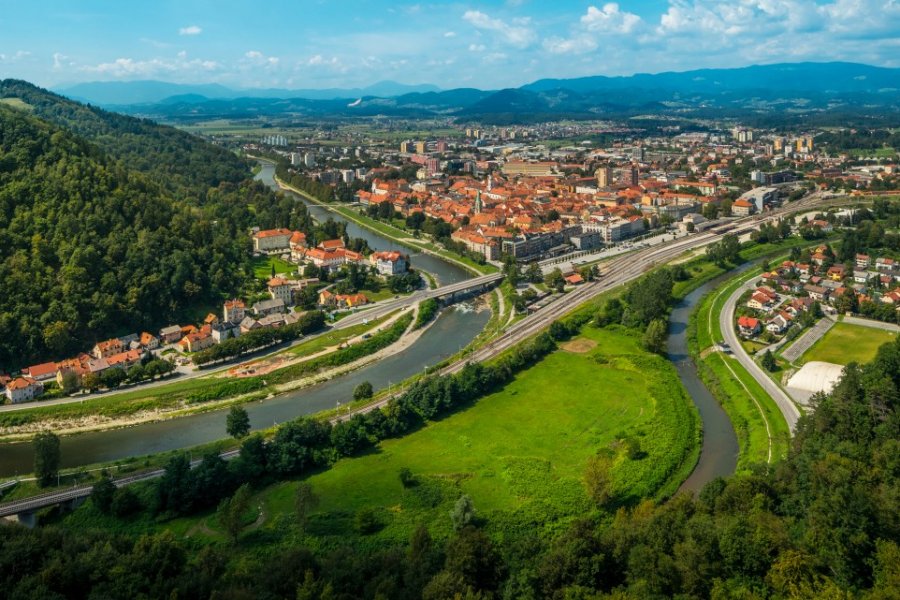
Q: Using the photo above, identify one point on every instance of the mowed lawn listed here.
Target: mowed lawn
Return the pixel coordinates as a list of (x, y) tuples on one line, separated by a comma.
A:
[(845, 343), (520, 452), (262, 267)]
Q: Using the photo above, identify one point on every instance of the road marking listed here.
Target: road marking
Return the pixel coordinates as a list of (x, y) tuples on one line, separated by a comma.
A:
[(725, 362)]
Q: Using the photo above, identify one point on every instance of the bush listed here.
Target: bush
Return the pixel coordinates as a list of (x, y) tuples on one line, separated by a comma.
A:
[(366, 521), (125, 503)]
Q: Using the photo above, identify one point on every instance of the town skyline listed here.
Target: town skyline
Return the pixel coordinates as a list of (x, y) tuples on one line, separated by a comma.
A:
[(486, 44)]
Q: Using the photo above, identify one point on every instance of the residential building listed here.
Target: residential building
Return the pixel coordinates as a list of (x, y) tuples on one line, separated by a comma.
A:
[(281, 289), (194, 342), (41, 372), (170, 334), (234, 311), (23, 389), (225, 330), (272, 241), (749, 326), (273, 320), (125, 360), (107, 348), (268, 307), (743, 208), (149, 341), (388, 263)]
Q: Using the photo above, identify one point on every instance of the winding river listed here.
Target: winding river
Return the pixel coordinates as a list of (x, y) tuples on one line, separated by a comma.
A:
[(719, 451), (453, 329)]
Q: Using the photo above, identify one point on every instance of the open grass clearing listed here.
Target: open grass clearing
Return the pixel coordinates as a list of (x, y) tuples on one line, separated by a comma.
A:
[(262, 267), (845, 343)]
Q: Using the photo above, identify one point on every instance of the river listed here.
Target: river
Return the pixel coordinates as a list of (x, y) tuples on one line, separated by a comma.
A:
[(445, 271), (719, 451)]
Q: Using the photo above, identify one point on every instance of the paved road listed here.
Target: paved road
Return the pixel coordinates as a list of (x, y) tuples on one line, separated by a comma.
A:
[(374, 311), (726, 323), (872, 324)]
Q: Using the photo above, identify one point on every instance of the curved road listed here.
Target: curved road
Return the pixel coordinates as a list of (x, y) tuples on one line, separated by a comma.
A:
[(726, 323)]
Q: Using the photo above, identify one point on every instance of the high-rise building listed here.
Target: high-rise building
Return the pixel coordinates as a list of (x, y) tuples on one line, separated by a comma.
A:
[(779, 144), (296, 159), (407, 147), (432, 165), (604, 176), (309, 159), (420, 147), (441, 146)]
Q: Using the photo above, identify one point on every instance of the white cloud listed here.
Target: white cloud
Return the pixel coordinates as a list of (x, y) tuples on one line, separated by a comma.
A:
[(477, 47), (256, 58), (128, 67), (19, 55), (609, 19), (450, 34), (321, 62), (61, 61), (190, 30), (517, 34), (574, 45)]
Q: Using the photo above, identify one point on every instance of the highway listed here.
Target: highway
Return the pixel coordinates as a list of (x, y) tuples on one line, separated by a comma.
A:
[(616, 272)]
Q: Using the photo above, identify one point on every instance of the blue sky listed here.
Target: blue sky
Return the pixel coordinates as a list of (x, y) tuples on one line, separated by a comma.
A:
[(324, 43)]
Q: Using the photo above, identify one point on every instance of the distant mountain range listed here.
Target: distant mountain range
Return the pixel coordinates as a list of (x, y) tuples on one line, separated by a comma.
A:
[(117, 93), (812, 89)]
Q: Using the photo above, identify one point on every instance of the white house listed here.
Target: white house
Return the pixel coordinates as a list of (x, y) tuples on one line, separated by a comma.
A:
[(388, 263), (23, 389)]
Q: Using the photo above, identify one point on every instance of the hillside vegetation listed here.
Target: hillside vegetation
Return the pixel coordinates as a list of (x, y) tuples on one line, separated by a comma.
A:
[(123, 226)]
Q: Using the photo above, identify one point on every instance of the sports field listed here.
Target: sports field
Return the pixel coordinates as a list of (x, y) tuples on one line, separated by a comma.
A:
[(845, 343)]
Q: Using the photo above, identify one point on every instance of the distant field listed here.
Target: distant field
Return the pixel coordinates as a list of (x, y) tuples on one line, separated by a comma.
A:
[(845, 343), (877, 153), (16, 103)]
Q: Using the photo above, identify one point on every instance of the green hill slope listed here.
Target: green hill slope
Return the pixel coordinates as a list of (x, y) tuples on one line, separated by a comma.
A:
[(90, 247)]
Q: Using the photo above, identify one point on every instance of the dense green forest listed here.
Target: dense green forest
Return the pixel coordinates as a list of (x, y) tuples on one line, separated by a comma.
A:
[(123, 226), (185, 165)]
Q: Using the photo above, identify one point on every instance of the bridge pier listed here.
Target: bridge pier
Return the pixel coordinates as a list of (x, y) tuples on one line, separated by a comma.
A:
[(28, 519)]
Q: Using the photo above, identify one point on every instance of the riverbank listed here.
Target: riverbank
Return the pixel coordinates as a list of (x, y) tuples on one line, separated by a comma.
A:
[(396, 235), (83, 423)]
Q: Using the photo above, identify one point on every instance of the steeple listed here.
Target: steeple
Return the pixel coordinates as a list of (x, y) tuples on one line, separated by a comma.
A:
[(478, 204)]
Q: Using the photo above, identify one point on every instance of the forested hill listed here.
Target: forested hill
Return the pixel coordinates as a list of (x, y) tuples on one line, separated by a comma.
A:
[(183, 163), (90, 247)]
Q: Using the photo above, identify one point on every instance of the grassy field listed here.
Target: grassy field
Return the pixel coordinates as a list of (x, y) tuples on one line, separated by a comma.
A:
[(845, 343), (336, 337), (16, 103), (262, 267), (520, 452)]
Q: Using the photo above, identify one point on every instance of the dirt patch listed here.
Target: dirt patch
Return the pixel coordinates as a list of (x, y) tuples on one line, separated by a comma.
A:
[(707, 352), (579, 346)]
